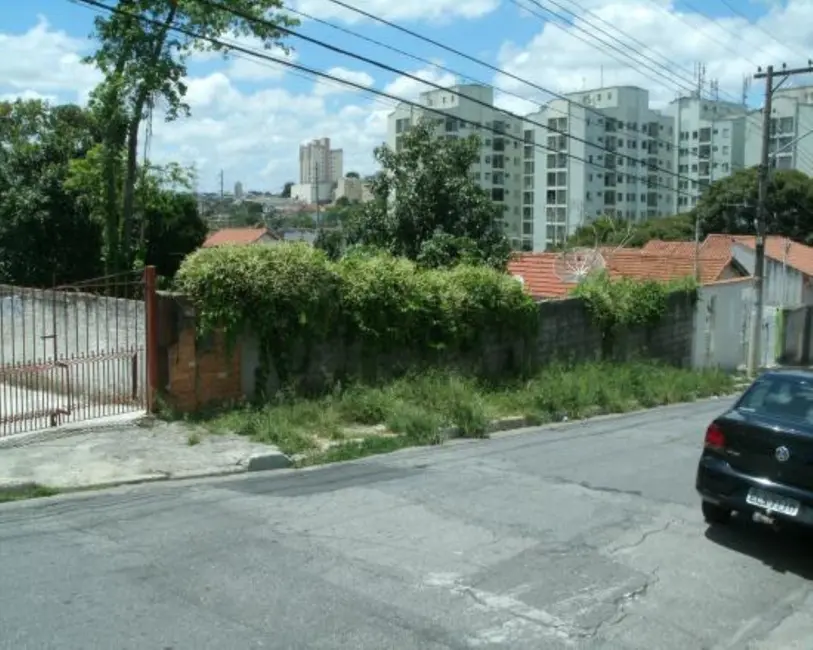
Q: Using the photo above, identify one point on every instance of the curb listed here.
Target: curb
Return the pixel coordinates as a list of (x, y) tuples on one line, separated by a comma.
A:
[(258, 462)]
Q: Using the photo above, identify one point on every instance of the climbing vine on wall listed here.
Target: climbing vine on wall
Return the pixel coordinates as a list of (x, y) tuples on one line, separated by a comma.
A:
[(293, 294), (617, 303)]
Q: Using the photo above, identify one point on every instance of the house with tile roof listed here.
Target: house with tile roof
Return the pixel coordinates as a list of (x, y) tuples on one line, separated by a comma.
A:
[(788, 266), (241, 237), (665, 261)]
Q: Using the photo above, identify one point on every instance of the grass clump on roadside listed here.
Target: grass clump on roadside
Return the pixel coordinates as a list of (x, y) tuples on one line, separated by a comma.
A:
[(29, 491), (419, 409)]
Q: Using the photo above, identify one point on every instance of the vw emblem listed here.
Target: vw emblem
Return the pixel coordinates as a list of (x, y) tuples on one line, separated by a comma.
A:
[(782, 454)]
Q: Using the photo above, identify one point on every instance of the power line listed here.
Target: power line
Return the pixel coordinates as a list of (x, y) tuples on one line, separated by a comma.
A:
[(333, 48), (747, 116), (498, 70), (764, 31), (595, 16), (361, 87), (455, 72), (620, 50)]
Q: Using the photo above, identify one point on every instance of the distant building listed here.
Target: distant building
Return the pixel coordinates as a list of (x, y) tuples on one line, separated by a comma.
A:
[(709, 143), (238, 190), (352, 189), (791, 143), (469, 109), (318, 163), (313, 192)]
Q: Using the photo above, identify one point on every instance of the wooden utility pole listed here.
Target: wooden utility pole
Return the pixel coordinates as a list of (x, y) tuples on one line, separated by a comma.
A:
[(754, 352)]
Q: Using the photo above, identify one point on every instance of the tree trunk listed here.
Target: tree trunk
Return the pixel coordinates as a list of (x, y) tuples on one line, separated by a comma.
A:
[(132, 142), (113, 142)]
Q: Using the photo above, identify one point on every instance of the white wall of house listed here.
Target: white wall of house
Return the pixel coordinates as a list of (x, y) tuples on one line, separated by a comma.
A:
[(722, 327), (784, 286), (721, 324)]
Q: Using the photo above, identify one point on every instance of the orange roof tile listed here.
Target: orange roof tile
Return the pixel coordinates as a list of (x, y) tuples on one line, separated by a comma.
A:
[(538, 275), (638, 264), (780, 249), (236, 237), (538, 270)]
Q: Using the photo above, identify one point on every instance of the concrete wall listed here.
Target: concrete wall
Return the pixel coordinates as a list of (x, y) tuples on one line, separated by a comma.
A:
[(784, 286), (98, 342), (722, 325), (196, 371)]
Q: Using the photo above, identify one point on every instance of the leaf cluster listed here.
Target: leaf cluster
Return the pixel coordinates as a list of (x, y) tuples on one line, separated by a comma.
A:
[(292, 293), (614, 304), (427, 208)]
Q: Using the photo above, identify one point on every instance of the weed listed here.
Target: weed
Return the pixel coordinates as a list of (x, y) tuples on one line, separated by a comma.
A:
[(417, 407), (30, 491)]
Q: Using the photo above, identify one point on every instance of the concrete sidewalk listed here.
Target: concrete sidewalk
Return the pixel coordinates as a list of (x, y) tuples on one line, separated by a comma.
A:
[(129, 452)]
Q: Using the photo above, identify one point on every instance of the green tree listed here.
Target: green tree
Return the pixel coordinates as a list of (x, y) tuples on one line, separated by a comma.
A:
[(607, 231), (286, 190), (352, 175), (145, 62), (729, 205), (331, 241), (426, 207), (173, 229), (47, 234)]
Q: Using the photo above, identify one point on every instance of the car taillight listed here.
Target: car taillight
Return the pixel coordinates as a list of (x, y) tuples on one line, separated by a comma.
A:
[(715, 438)]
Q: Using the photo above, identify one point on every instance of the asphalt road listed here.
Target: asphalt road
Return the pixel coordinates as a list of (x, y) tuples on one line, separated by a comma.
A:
[(582, 536)]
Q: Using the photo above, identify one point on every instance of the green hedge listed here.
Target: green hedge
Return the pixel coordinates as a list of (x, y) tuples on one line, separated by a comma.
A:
[(292, 293)]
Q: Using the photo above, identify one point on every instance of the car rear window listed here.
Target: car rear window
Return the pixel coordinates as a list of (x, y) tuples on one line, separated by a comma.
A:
[(778, 396)]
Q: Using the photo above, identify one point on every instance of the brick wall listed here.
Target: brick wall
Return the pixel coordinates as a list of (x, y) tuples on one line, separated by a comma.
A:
[(198, 371), (193, 371)]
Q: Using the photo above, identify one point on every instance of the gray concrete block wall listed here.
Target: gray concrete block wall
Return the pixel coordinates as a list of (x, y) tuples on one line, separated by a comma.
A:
[(566, 334)]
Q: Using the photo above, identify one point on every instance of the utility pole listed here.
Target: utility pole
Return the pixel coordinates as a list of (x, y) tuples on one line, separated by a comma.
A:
[(754, 353), (221, 185), (317, 193)]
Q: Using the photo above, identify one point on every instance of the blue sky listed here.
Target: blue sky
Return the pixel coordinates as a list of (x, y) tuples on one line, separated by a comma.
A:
[(249, 119)]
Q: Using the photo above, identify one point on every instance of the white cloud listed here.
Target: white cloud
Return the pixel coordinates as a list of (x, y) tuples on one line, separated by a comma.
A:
[(247, 121), (246, 67), (46, 61), (358, 77), (730, 47), (398, 10), (408, 88)]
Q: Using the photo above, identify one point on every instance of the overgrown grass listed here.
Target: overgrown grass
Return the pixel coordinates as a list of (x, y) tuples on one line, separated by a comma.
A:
[(419, 409), (32, 491)]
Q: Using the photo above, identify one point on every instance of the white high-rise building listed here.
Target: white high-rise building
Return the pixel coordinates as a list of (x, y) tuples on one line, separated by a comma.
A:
[(791, 143), (468, 108), (599, 152), (709, 140), (318, 163)]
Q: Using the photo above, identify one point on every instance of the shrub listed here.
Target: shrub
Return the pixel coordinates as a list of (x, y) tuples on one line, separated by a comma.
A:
[(624, 302), (291, 294)]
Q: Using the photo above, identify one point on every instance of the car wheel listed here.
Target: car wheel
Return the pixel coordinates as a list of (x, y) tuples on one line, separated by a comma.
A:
[(714, 514)]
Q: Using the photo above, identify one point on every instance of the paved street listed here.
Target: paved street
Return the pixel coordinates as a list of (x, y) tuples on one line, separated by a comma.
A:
[(583, 536)]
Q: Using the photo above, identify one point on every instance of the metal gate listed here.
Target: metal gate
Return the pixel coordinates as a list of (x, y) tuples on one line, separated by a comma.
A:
[(73, 353)]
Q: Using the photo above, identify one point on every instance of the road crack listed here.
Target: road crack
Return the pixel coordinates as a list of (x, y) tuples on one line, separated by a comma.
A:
[(644, 537)]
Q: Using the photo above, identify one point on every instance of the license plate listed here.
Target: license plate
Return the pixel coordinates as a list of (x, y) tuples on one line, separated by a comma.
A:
[(772, 502)]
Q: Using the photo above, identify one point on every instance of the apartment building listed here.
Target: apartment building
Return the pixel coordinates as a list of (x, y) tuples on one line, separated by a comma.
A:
[(709, 141), (791, 139), (469, 109), (318, 163), (597, 152)]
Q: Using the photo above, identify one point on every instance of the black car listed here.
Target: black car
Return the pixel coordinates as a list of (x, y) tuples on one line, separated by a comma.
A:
[(758, 456)]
